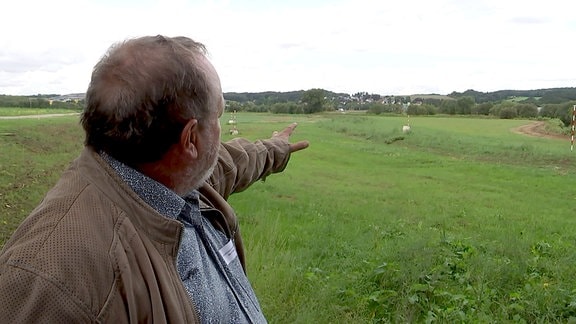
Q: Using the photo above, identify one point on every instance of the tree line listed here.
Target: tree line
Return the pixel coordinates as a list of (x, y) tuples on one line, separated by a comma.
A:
[(505, 109), (506, 104), (538, 97), (40, 101), (551, 103)]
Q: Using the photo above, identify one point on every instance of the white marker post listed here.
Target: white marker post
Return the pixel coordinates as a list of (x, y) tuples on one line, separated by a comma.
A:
[(573, 125)]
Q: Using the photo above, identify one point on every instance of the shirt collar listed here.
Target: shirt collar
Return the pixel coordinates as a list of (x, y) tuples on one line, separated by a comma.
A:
[(165, 201)]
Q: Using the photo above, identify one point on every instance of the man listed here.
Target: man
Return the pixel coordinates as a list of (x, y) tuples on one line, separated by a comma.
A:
[(138, 228)]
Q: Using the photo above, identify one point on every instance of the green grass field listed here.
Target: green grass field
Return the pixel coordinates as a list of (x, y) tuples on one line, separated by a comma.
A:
[(461, 220), (4, 111)]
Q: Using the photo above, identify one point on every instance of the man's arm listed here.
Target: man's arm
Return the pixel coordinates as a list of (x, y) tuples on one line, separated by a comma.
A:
[(241, 162)]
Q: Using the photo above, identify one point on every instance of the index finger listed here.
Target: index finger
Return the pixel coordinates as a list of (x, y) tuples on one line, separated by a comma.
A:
[(288, 130)]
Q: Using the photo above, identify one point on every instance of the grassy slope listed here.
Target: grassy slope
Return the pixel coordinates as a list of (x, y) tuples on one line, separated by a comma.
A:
[(31, 160), (4, 111), (460, 220)]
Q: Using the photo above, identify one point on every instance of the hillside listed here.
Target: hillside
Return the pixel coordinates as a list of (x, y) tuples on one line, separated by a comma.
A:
[(538, 96), (429, 96)]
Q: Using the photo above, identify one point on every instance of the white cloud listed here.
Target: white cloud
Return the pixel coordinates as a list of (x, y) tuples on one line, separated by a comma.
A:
[(348, 46)]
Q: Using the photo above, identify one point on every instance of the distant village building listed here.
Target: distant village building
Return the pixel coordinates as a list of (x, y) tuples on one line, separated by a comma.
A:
[(417, 101), (73, 97)]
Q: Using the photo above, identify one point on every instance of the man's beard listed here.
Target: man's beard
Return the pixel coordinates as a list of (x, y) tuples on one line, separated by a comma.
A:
[(207, 163), (208, 172)]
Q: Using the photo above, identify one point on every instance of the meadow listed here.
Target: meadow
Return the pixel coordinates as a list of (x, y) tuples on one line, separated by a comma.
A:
[(15, 111), (461, 220)]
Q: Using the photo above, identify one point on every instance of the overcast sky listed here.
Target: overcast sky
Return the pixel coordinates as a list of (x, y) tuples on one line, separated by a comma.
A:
[(397, 47)]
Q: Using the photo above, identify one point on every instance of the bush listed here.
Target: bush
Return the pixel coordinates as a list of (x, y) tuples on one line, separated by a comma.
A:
[(508, 113), (286, 108), (527, 110), (424, 109), (483, 108)]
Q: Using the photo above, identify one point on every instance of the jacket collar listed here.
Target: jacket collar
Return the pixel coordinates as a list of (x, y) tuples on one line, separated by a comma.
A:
[(163, 200), (158, 228)]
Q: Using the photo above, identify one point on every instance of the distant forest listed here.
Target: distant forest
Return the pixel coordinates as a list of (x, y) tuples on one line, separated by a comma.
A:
[(540, 96), (549, 103)]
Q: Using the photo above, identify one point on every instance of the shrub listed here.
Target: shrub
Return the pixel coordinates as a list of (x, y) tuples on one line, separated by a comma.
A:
[(508, 113)]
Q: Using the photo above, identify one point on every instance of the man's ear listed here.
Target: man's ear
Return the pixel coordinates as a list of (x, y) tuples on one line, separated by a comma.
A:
[(189, 138)]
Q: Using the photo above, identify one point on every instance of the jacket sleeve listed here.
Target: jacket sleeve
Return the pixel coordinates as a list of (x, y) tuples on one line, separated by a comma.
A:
[(241, 163)]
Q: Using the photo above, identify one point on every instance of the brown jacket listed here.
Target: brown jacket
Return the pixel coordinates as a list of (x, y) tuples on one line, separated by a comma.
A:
[(94, 252)]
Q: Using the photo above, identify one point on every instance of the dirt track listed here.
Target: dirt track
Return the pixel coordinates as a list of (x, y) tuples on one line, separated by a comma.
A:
[(537, 129), (38, 116)]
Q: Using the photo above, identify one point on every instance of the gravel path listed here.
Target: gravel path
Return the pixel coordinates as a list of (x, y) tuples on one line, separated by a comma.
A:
[(38, 116), (537, 129)]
